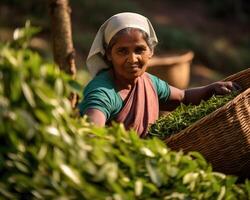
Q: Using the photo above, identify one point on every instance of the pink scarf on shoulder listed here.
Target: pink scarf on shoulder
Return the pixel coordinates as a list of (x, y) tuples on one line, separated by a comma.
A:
[(141, 107)]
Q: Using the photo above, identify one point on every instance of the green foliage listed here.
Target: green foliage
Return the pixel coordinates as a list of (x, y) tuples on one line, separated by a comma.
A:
[(218, 53), (100, 10), (231, 9), (23, 35), (184, 116), (175, 38), (46, 153)]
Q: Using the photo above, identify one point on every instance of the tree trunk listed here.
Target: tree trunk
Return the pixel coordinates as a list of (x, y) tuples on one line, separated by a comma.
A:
[(63, 50)]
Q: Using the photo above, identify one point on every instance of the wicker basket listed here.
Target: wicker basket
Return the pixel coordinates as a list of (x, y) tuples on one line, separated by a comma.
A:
[(174, 68), (223, 137)]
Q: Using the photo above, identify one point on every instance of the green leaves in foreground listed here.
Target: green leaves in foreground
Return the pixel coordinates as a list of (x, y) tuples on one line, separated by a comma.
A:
[(47, 154), (184, 116)]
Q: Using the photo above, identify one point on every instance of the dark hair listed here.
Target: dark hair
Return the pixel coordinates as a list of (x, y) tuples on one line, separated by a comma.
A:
[(112, 42)]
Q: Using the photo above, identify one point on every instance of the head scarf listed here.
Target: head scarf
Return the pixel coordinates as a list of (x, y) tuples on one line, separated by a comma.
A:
[(95, 60)]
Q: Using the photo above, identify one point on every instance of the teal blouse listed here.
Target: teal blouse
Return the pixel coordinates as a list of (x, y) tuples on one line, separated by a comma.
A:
[(100, 93)]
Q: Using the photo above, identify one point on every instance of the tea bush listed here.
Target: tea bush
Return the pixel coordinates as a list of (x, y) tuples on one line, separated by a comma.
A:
[(46, 152)]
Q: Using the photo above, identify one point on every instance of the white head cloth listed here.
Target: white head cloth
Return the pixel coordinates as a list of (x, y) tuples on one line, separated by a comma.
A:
[(95, 60)]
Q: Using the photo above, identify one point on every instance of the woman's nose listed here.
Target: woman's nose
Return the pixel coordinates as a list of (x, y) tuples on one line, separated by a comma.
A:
[(132, 58)]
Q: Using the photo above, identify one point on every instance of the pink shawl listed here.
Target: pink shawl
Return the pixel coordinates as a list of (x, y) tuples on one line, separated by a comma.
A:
[(141, 107)]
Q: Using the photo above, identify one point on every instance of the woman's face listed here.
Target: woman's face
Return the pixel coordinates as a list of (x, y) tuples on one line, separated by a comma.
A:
[(129, 55)]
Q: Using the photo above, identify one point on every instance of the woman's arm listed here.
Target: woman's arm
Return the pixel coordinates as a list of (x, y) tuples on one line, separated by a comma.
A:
[(195, 95), (96, 116)]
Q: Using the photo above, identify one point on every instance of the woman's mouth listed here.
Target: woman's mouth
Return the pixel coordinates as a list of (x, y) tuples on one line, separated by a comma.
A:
[(134, 68)]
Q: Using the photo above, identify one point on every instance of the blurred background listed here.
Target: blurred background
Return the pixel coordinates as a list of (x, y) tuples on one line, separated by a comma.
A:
[(213, 35)]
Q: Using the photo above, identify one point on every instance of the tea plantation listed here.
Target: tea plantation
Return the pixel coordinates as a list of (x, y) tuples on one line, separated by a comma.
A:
[(47, 152)]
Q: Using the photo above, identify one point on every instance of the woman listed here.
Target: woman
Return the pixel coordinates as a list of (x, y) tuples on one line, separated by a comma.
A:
[(121, 90)]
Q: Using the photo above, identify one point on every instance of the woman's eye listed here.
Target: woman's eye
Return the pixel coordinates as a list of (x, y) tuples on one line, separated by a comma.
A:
[(122, 51), (140, 50)]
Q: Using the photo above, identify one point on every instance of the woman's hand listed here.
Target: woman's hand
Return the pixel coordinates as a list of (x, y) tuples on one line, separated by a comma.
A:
[(222, 88), (195, 95)]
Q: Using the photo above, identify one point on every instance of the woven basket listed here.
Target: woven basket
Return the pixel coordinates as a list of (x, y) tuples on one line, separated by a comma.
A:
[(174, 68), (223, 136)]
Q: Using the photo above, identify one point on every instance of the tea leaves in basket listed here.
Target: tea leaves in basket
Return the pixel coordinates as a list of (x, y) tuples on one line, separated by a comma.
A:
[(185, 115)]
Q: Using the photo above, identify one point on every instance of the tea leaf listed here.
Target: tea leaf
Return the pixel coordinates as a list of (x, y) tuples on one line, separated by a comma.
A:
[(28, 94)]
